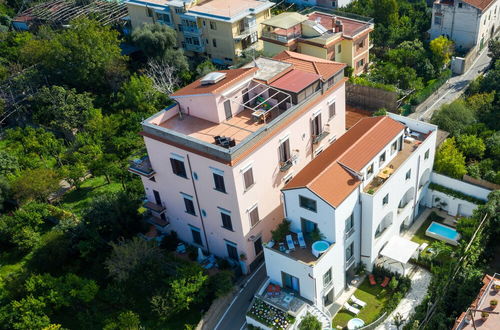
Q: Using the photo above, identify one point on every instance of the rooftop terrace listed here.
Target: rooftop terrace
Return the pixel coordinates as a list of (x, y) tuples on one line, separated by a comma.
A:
[(410, 145)]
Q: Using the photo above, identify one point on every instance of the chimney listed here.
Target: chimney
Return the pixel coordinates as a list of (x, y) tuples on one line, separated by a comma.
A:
[(339, 27)]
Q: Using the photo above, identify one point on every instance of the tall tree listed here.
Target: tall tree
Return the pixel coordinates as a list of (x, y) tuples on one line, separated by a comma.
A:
[(86, 56), (449, 160)]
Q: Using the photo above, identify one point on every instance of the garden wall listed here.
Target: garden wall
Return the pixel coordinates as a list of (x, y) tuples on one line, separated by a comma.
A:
[(453, 204), (370, 98), (217, 308), (459, 65)]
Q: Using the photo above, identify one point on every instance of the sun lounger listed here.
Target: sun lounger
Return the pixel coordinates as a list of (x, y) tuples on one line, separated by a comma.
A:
[(372, 279), (351, 309), (357, 301), (423, 246), (385, 282), (289, 242), (302, 242)]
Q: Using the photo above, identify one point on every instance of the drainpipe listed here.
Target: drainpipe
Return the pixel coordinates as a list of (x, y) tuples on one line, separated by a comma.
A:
[(198, 203), (416, 189)]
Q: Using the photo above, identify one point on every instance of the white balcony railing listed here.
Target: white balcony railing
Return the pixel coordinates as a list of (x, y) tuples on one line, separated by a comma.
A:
[(349, 233)]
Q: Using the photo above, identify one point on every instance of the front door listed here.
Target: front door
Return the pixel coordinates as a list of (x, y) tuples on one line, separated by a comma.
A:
[(227, 109), (328, 298), (258, 246), (157, 197), (246, 97)]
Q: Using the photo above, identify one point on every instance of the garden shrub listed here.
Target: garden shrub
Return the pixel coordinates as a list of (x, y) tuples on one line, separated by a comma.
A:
[(221, 283), (310, 322)]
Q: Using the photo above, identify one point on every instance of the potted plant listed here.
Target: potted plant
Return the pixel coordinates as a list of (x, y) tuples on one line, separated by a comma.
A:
[(493, 303), (484, 316), (496, 287), (243, 257)]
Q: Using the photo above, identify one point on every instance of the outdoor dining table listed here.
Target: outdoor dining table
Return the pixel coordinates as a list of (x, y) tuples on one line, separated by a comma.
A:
[(385, 173)]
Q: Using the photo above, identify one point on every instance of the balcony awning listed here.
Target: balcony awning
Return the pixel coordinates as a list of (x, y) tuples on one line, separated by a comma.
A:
[(399, 249), (285, 20)]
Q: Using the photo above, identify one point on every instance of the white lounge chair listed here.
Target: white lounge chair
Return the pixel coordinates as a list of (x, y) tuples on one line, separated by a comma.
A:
[(302, 242), (289, 242), (351, 309), (357, 301)]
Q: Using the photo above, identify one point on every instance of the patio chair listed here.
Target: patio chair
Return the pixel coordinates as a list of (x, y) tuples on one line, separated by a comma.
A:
[(357, 301), (385, 282), (289, 242), (372, 279), (302, 242), (181, 248), (351, 309)]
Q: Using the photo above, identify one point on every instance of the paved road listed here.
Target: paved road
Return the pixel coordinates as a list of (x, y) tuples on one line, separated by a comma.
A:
[(453, 88), (234, 317)]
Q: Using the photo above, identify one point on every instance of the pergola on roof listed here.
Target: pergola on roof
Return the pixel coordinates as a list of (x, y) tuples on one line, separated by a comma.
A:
[(285, 20)]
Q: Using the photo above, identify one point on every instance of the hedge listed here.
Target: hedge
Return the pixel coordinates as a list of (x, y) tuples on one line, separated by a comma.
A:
[(456, 194), (432, 86), (365, 82)]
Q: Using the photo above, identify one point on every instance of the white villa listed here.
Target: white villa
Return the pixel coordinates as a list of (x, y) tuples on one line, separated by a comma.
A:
[(467, 22), (360, 193)]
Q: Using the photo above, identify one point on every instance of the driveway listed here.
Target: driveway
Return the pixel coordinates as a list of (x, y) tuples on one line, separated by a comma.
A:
[(234, 317), (453, 88)]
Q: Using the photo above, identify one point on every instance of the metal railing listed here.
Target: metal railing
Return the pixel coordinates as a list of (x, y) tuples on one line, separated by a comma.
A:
[(349, 232), (279, 37)]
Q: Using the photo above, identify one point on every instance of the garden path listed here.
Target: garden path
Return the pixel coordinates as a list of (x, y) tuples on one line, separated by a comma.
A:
[(419, 283)]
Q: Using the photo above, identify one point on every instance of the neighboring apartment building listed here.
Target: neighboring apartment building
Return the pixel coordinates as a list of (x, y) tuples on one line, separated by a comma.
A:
[(219, 157), (322, 35), (360, 193), (468, 22), (321, 3), (219, 29)]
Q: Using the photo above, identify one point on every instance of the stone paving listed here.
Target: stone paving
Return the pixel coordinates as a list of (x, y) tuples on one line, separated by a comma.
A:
[(419, 283)]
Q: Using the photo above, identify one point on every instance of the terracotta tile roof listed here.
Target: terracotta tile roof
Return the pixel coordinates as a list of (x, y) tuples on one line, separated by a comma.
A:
[(349, 26), (232, 76), (353, 151), (480, 4), (295, 80), (325, 68)]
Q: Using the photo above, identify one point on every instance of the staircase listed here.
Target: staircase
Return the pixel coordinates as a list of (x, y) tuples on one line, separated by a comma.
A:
[(325, 320)]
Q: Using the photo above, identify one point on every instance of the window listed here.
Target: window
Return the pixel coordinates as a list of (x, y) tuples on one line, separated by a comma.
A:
[(360, 63), (178, 167), (232, 252), (248, 178), (179, 10), (290, 282), (426, 155), (385, 200), (219, 183), (381, 159), (213, 25), (257, 244), (307, 203), (284, 151), (188, 203), (438, 20), (369, 171), (334, 4), (308, 226), (394, 147), (331, 110), (149, 12), (254, 215), (327, 277), (460, 5), (339, 49), (254, 37), (349, 223), (157, 197), (408, 175), (316, 126), (226, 219), (361, 44), (195, 232), (214, 43), (349, 252), (163, 17)]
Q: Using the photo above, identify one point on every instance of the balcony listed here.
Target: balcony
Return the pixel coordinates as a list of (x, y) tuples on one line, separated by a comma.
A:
[(349, 262), (153, 207), (142, 167), (285, 166), (194, 48), (191, 29), (318, 138), (403, 206), (285, 38), (160, 223)]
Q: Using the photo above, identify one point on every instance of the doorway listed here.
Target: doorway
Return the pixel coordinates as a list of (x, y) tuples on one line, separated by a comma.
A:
[(157, 197), (227, 109), (328, 299)]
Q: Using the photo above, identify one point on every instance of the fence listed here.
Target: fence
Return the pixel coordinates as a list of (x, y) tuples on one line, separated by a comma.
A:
[(371, 98), (422, 95), (375, 323), (481, 183)]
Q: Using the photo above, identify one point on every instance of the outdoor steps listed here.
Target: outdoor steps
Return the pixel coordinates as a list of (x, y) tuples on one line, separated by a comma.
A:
[(321, 316)]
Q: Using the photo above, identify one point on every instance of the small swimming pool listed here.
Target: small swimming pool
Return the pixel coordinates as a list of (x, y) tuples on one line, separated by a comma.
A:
[(319, 247), (443, 233)]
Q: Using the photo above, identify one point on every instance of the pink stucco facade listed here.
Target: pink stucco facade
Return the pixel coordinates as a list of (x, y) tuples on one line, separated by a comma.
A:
[(259, 152)]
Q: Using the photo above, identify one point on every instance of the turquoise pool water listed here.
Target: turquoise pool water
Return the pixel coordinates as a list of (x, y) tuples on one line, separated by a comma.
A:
[(321, 246), (443, 231)]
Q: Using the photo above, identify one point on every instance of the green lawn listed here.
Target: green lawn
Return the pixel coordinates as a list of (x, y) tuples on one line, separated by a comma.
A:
[(77, 200), (375, 297)]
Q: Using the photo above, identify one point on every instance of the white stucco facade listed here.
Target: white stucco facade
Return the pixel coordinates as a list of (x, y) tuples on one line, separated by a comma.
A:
[(402, 191), (465, 24)]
